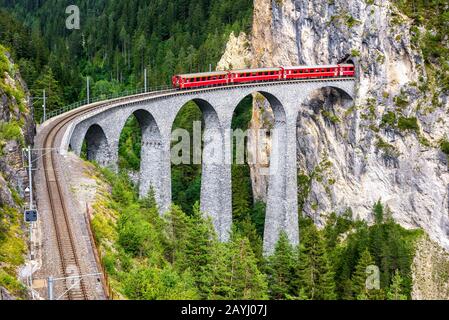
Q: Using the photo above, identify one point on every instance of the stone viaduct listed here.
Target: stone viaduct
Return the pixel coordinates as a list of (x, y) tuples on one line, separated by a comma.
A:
[(102, 128)]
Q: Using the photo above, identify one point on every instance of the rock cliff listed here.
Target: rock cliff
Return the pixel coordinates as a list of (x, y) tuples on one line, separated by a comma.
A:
[(383, 145), (16, 131)]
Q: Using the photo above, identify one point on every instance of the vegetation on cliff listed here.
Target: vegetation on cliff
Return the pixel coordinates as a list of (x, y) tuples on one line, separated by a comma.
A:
[(178, 256), (12, 121)]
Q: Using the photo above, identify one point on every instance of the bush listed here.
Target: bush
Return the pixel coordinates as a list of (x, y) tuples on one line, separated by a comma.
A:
[(11, 131), (388, 119), (444, 146), (408, 124)]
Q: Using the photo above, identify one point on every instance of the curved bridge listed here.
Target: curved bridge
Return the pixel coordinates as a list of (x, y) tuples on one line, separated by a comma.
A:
[(101, 127)]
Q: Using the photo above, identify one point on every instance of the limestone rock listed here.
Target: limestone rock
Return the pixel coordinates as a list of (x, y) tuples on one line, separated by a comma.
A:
[(237, 54), (365, 161), (430, 271)]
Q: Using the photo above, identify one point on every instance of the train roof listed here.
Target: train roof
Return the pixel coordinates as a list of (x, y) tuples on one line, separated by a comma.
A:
[(203, 74), (256, 70), (316, 66)]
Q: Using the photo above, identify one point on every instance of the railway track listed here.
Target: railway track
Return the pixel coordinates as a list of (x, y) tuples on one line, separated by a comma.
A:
[(65, 238), (69, 259)]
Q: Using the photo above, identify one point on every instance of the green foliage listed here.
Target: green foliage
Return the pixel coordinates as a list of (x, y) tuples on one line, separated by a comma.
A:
[(119, 39), (405, 123), (130, 145), (390, 246), (444, 146), (14, 92), (401, 101), (395, 291), (179, 256), (53, 91), (280, 267), (235, 274), (11, 283), (152, 283), (359, 279), (12, 250), (314, 271), (186, 178), (304, 185), (334, 119), (355, 53), (389, 119), (11, 131), (176, 256), (351, 21)]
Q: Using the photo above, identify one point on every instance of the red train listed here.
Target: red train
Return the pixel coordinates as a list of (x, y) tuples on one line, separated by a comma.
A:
[(219, 78)]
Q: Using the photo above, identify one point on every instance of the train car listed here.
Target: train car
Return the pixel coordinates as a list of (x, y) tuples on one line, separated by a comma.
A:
[(204, 79), (305, 72), (347, 70), (256, 75)]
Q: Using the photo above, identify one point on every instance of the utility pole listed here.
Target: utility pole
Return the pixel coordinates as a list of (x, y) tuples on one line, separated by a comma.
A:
[(44, 107), (30, 177), (30, 186), (145, 76), (77, 279), (210, 67), (50, 288), (88, 90)]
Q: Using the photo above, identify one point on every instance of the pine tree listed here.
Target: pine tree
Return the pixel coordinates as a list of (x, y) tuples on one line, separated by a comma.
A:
[(240, 193), (52, 88), (315, 274), (360, 277), (248, 229), (395, 291), (235, 272), (177, 228), (378, 211), (280, 269), (201, 239)]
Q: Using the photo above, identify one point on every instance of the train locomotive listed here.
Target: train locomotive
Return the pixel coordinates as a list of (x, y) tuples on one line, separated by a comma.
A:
[(222, 78)]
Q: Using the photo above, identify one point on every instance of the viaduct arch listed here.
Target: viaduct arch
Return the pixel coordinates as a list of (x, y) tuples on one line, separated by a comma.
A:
[(156, 115)]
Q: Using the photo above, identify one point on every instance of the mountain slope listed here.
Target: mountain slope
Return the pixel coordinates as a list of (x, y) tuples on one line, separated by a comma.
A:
[(16, 131)]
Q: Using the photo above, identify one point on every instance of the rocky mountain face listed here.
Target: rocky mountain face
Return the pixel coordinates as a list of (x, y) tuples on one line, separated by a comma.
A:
[(16, 131), (383, 145)]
